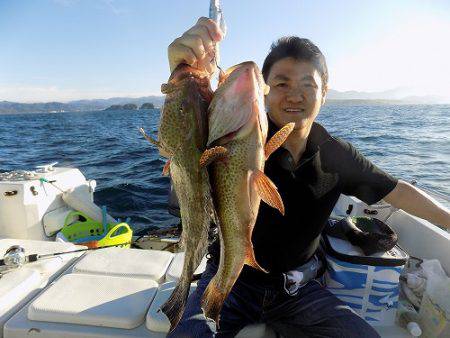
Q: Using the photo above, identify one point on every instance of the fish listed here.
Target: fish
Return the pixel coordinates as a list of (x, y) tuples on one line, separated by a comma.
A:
[(182, 137), (238, 130)]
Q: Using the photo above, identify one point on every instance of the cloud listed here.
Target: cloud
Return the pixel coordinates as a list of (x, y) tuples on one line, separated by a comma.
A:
[(28, 94)]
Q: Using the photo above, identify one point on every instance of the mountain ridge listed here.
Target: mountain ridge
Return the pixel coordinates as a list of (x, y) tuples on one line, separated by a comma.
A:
[(394, 96)]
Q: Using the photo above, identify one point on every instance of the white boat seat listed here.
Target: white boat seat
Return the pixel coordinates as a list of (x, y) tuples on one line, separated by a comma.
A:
[(116, 302), (18, 286), (176, 267), (158, 322), (150, 264)]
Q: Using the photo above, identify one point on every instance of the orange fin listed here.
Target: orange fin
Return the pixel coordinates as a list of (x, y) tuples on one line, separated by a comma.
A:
[(267, 190), (166, 168), (251, 260), (278, 139), (209, 155)]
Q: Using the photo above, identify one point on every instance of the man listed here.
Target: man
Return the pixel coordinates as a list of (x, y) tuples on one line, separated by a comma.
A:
[(311, 170)]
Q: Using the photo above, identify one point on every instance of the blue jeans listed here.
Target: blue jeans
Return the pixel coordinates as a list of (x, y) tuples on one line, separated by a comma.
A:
[(313, 312)]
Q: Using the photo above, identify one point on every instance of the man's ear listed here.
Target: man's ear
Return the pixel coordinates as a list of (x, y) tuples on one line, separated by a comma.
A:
[(324, 94)]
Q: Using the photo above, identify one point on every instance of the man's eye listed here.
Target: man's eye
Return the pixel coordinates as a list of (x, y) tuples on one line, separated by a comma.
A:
[(281, 85)]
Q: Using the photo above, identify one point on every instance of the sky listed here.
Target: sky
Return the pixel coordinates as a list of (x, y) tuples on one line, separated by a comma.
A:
[(62, 50)]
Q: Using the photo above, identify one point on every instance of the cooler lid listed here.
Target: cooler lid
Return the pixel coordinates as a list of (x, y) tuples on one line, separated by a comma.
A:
[(17, 284), (151, 264), (156, 320), (345, 251), (116, 302)]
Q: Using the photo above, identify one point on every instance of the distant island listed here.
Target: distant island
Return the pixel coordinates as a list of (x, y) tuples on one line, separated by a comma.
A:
[(146, 102), (131, 106)]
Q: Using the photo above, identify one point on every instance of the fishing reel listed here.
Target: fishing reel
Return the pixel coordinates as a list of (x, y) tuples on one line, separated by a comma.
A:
[(14, 258)]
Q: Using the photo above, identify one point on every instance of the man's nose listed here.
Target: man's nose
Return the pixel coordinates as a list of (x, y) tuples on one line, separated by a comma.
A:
[(295, 95)]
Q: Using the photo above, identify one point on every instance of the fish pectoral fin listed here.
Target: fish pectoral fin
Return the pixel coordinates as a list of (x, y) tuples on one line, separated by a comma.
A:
[(211, 154), (267, 190), (278, 139), (150, 139), (166, 168)]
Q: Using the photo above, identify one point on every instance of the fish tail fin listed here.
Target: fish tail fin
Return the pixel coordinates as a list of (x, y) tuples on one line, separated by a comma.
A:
[(173, 308), (212, 300), (251, 260)]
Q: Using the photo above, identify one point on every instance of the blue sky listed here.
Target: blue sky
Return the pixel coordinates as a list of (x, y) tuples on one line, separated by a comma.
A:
[(71, 49)]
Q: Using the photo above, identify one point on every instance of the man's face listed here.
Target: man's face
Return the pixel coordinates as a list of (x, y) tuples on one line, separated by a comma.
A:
[(295, 95)]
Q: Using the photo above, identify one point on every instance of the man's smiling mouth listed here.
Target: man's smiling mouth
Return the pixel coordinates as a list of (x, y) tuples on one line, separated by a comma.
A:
[(293, 110)]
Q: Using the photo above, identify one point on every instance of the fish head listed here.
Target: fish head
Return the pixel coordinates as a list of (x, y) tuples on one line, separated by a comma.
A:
[(238, 102), (184, 114)]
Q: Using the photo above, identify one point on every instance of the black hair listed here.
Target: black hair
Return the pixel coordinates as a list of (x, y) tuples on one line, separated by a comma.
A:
[(299, 49)]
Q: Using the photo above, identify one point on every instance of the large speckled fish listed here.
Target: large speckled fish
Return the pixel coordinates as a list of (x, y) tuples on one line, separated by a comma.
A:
[(238, 130), (182, 137)]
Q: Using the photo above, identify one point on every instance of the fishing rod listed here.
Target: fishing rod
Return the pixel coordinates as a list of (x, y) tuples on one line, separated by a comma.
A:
[(15, 256)]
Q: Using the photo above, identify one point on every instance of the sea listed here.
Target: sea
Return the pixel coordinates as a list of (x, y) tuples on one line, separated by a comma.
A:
[(411, 142)]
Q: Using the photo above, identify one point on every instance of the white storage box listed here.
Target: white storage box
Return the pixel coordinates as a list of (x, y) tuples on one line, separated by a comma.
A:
[(150, 264), (116, 302)]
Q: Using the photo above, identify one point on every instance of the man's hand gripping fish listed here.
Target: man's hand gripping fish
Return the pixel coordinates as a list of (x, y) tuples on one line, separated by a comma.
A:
[(182, 137), (238, 130)]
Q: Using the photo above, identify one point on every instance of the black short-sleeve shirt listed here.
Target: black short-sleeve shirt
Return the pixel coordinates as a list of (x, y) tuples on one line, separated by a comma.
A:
[(328, 167)]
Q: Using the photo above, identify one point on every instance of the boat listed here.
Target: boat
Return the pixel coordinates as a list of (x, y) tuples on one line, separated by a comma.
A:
[(116, 292)]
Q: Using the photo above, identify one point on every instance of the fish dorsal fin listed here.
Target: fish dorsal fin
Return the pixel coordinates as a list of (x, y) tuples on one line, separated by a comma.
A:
[(267, 190), (211, 154), (166, 168), (278, 139)]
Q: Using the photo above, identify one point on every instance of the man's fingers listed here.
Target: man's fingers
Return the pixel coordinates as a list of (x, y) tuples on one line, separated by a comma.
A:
[(213, 28), (180, 54), (195, 43), (203, 33)]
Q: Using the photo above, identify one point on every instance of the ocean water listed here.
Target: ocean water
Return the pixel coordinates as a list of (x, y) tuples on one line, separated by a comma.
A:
[(411, 142)]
